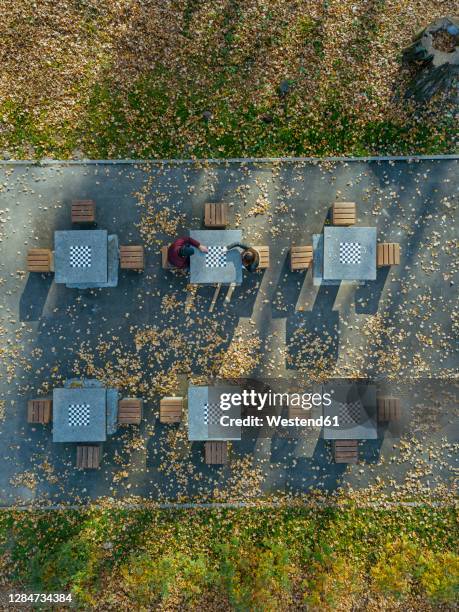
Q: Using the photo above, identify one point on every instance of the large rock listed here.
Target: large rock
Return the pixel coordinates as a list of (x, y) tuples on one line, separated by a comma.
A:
[(435, 55)]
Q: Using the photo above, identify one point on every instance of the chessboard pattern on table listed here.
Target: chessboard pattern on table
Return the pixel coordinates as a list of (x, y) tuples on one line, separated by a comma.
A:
[(350, 252), (212, 414), (79, 415), (350, 413), (216, 257), (80, 256)]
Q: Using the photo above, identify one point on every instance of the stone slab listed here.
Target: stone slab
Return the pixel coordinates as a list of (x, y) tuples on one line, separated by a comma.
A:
[(86, 406), (80, 256), (200, 274), (113, 264), (357, 243), (202, 428), (354, 405)]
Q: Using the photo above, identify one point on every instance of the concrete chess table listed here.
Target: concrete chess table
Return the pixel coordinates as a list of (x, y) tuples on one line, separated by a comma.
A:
[(344, 253), (355, 407), (80, 256), (204, 414), (80, 415), (217, 266)]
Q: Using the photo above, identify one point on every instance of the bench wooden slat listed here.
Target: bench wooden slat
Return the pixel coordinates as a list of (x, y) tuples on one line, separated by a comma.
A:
[(39, 411), (164, 258), (216, 453), (263, 252), (344, 213), (346, 451), (83, 211), (216, 214), (88, 457), (39, 260), (130, 411), (170, 409), (388, 254), (389, 409), (300, 257), (132, 257)]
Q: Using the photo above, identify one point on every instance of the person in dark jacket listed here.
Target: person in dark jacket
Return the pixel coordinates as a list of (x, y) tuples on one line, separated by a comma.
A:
[(249, 256), (180, 251)]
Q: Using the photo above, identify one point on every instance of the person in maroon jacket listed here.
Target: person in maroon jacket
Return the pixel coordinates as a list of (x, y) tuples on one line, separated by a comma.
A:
[(180, 251)]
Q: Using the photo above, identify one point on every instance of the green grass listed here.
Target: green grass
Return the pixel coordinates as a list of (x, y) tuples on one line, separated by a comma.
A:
[(107, 100), (246, 559), (142, 124)]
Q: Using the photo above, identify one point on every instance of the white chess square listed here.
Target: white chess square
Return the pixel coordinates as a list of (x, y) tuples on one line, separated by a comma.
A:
[(350, 252), (80, 256), (212, 414), (79, 415), (216, 257)]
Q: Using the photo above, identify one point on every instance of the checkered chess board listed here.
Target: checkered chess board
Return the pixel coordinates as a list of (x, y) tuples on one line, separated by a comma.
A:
[(79, 415), (351, 413), (212, 414), (350, 252), (216, 257), (80, 256)]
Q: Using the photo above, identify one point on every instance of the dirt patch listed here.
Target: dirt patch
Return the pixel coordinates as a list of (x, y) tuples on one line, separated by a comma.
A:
[(444, 41)]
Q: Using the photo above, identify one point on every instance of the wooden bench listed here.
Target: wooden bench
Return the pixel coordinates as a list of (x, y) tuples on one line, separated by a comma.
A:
[(88, 457), (170, 409), (216, 214), (300, 257), (40, 260), (83, 211), (39, 411), (130, 411), (132, 257), (164, 258), (216, 453), (344, 213), (263, 252), (345, 451), (388, 254), (388, 409)]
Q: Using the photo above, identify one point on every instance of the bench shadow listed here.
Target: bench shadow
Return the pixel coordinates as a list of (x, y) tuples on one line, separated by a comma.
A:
[(289, 286), (34, 296), (370, 450), (328, 477), (368, 295), (325, 298)]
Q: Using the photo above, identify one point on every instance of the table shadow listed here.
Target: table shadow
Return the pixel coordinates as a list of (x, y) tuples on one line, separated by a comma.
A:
[(34, 296), (368, 295)]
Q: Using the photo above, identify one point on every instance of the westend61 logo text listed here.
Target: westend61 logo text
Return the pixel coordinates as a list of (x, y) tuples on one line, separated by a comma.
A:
[(270, 401), (261, 401)]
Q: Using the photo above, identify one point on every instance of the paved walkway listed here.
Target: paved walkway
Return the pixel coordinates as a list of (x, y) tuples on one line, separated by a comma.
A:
[(138, 337)]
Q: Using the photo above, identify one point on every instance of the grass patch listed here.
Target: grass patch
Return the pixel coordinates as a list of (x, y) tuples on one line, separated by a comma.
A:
[(118, 81), (243, 559)]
